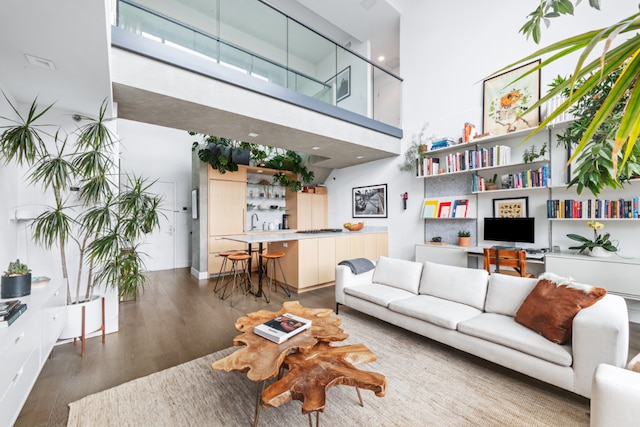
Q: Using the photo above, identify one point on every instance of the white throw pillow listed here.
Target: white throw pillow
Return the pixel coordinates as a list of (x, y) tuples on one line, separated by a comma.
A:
[(506, 293), (399, 273), (464, 285)]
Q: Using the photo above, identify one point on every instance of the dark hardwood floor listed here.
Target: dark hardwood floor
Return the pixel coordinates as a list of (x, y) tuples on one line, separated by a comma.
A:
[(175, 320)]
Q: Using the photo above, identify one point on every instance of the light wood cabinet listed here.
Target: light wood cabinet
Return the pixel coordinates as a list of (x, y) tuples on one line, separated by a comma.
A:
[(226, 213), (311, 211), (307, 262), (371, 246)]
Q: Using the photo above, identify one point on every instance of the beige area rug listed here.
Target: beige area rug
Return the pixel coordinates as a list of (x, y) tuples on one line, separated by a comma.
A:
[(428, 385)]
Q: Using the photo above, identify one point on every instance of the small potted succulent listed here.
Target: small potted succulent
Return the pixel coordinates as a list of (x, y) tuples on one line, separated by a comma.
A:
[(492, 183), (464, 238), (16, 281)]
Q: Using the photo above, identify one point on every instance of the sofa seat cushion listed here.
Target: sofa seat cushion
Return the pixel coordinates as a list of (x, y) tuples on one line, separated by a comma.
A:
[(506, 293), (459, 284), (504, 330), (377, 293), (399, 273), (440, 312)]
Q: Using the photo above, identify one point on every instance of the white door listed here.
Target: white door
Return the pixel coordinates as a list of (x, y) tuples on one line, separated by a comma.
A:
[(159, 246)]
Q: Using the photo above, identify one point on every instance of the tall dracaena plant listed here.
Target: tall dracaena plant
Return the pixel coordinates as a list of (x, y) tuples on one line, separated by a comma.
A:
[(23, 141), (132, 213), (97, 211), (624, 58)]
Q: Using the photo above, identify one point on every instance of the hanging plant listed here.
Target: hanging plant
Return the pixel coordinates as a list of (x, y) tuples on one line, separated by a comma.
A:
[(292, 162)]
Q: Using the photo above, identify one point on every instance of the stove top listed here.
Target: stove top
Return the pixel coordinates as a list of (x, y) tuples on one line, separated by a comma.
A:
[(321, 230)]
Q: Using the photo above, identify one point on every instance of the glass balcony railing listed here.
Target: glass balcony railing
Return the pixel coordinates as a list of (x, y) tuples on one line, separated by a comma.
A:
[(253, 38)]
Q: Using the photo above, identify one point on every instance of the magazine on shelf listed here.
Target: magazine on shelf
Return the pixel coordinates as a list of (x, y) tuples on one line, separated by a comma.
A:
[(13, 315), (282, 327), (7, 307)]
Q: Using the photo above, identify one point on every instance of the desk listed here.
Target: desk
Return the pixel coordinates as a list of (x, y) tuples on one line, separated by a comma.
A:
[(461, 256), (616, 274)]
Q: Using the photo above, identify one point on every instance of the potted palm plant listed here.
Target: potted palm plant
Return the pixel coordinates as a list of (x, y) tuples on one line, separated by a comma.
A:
[(89, 209)]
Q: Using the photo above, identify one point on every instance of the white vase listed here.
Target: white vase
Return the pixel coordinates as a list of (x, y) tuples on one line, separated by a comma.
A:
[(599, 252), (93, 318)]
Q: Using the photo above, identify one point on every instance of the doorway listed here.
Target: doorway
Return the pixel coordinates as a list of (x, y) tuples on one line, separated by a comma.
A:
[(160, 246)]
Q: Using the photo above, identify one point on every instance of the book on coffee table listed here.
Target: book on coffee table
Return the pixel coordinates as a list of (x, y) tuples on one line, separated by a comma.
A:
[(282, 327)]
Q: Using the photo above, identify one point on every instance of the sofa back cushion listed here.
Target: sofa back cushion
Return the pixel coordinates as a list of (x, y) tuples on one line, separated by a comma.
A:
[(399, 273), (506, 293), (464, 285)]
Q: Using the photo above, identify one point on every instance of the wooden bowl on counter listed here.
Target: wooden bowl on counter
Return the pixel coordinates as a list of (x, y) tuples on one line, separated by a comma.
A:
[(354, 227)]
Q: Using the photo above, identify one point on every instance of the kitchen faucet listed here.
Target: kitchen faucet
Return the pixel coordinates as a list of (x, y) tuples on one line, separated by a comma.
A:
[(253, 227)]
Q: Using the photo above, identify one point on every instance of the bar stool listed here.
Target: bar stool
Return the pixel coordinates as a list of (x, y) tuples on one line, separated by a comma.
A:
[(272, 258), (220, 280), (240, 268)]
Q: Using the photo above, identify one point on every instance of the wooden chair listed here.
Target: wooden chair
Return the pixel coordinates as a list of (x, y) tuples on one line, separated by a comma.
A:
[(514, 260)]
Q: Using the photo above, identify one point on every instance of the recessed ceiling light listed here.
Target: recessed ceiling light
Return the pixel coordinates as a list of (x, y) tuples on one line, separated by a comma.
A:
[(368, 4), (360, 157), (381, 58), (40, 62), (315, 148), (253, 134)]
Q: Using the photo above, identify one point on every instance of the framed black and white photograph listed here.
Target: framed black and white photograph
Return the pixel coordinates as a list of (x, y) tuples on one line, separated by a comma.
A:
[(343, 84), (370, 201), (513, 207)]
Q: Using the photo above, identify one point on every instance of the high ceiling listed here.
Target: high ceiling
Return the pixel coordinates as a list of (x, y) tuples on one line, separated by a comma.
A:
[(63, 46)]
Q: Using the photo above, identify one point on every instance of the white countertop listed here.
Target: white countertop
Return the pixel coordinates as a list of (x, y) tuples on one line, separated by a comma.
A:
[(289, 235)]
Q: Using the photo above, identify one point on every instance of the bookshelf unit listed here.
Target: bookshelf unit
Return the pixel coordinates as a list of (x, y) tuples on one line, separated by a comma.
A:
[(465, 178)]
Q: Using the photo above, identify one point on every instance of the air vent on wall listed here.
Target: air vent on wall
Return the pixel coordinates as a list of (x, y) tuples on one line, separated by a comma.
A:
[(40, 62)]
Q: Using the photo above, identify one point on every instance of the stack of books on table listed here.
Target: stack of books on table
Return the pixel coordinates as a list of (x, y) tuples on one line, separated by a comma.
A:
[(282, 327), (10, 311)]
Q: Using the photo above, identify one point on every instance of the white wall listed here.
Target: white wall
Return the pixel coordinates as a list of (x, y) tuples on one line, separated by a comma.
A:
[(446, 50), (163, 154), (9, 197)]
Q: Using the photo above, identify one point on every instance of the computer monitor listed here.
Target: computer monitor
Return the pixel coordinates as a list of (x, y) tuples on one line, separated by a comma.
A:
[(516, 230)]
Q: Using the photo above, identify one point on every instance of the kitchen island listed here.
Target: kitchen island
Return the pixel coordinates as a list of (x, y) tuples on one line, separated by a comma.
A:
[(311, 256)]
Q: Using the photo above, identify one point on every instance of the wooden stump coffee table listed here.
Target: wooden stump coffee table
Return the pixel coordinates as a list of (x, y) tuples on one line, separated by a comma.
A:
[(313, 364)]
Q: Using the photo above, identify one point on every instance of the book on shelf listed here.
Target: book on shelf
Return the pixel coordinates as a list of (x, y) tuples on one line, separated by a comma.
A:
[(13, 315), (39, 280), (460, 208), (444, 210), (7, 306), (429, 209), (282, 327)]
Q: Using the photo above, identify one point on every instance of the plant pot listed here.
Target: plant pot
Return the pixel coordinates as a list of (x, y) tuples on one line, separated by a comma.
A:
[(464, 241), (599, 252), (491, 187), (93, 318), (15, 286)]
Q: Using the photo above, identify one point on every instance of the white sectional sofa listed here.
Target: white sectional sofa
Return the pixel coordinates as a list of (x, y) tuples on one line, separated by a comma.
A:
[(474, 312)]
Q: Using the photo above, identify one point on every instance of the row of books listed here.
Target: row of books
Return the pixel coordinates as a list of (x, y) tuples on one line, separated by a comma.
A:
[(433, 208), (530, 178), (593, 208), (10, 311), (465, 160)]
